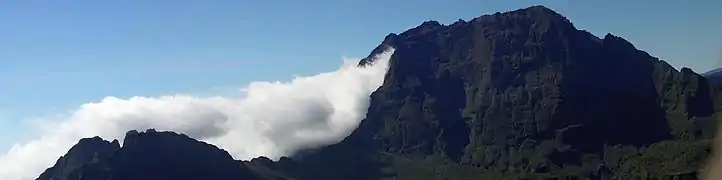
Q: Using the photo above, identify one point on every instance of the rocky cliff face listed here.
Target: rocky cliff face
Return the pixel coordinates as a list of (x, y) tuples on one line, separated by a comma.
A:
[(516, 95)]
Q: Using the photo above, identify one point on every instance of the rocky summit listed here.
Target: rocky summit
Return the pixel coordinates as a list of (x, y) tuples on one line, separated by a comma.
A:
[(516, 95)]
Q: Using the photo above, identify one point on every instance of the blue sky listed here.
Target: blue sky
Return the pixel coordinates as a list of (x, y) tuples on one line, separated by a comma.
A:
[(56, 55)]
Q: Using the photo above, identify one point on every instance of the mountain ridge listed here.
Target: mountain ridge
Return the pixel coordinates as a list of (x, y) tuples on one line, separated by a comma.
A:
[(516, 95)]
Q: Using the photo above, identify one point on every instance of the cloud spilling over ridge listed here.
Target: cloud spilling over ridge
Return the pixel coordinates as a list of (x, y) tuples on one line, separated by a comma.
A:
[(272, 119)]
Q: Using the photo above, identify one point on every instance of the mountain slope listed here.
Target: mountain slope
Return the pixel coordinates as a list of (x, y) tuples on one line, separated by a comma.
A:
[(516, 95)]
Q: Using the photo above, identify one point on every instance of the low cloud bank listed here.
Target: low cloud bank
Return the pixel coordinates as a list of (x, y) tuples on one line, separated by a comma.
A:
[(271, 119)]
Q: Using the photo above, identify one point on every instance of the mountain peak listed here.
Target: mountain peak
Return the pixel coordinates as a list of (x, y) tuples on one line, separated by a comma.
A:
[(540, 8), (430, 23), (87, 150), (535, 18)]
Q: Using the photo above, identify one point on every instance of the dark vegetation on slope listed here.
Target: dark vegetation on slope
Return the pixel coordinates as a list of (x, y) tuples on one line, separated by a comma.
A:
[(515, 95)]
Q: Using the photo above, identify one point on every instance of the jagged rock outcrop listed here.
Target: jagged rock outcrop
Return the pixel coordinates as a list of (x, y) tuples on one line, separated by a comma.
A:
[(515, 95)]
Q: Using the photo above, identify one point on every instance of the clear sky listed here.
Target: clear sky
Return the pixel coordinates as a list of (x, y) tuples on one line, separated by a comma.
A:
[(56, 55)]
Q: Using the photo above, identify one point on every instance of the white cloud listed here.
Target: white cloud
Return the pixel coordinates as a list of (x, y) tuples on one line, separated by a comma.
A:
[(271, 119)]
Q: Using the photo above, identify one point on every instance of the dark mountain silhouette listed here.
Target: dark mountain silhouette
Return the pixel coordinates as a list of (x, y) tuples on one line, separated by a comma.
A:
[(516, 95), (147, 155), (87, 151)]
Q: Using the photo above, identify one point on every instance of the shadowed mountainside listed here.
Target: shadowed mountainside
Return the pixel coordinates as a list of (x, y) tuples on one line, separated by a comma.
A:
[(516, 95)]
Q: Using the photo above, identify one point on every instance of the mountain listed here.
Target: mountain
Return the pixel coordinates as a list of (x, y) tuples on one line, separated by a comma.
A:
[(147, 155), (714, 76), (87, 151), (516, 95)]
